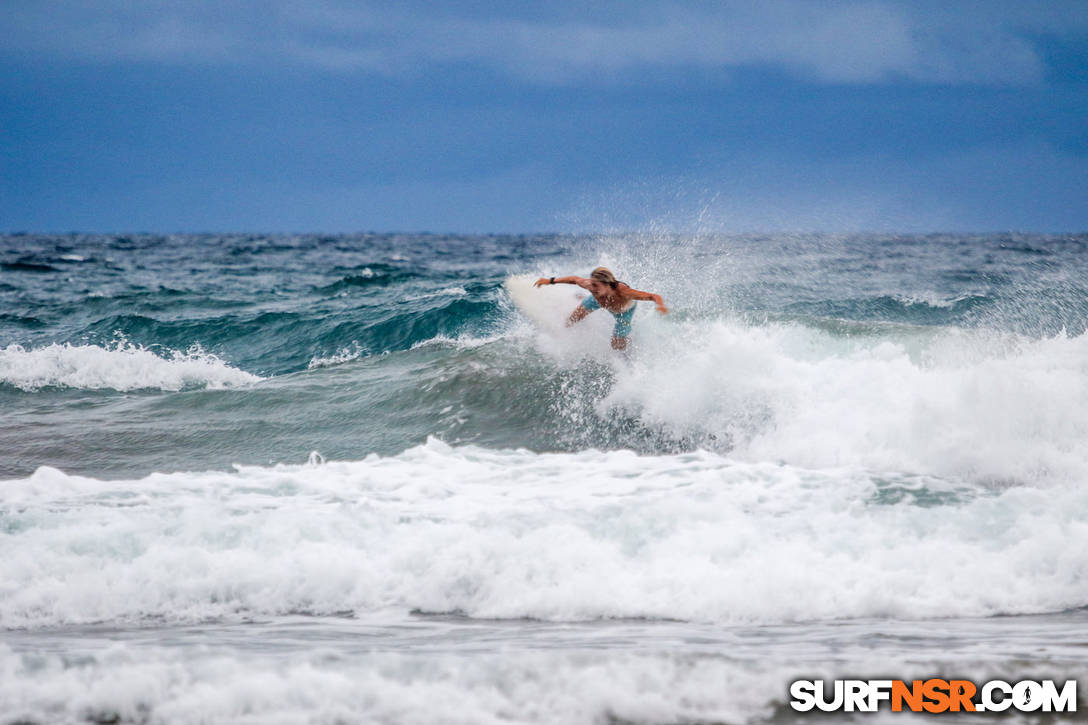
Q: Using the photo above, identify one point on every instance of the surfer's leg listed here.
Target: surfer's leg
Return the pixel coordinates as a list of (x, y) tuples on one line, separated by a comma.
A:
[(622, 329), (588, 305)]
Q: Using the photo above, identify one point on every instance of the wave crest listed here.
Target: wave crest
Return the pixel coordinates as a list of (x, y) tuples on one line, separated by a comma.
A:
[(120, 367), (513, 534)]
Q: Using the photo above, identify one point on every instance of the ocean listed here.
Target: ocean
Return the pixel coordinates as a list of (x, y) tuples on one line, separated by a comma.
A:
[(339, 479)]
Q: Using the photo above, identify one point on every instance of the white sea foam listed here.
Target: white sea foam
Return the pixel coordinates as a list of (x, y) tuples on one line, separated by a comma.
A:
[(444, 292), (934, 299), (341, 356), (176, 686), (102, 682), (556, 536), (120, 367), (980, 405), (463, 341)]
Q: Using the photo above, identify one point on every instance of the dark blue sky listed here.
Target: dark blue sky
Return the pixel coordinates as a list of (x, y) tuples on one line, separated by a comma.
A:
[(472, 116)]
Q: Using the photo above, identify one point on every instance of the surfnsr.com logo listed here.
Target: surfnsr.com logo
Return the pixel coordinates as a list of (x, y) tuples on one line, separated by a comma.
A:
[(933, 695)]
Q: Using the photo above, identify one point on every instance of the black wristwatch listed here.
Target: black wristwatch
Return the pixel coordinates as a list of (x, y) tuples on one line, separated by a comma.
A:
[(551, 281)]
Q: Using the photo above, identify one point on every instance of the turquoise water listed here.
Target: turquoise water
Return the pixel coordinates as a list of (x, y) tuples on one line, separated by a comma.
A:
[(342, 478), (371, 343)]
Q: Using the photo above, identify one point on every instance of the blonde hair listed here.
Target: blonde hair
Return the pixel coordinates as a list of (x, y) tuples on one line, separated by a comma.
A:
[(604, 274)]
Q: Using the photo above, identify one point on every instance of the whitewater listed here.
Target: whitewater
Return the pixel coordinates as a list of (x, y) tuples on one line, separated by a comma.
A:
[(340, 479)]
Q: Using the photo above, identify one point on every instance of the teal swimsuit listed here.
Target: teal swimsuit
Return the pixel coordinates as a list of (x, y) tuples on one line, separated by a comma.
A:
[(623, 319)]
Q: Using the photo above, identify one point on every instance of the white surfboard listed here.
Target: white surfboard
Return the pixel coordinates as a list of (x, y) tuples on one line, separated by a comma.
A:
[(548, 306)]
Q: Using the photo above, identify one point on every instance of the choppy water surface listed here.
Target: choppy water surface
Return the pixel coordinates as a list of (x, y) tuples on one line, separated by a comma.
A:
[(340, 478)]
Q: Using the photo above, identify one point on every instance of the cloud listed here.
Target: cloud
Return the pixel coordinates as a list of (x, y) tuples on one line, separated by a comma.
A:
[(844, 41), (1025, 186), (116, 32)]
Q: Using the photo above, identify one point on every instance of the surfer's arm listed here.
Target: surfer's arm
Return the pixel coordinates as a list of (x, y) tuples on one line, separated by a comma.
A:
[(647, 297), (580, 281)]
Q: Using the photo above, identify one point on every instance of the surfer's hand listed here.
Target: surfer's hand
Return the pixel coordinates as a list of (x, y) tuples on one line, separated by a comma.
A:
[(542, 280), (662, 308)]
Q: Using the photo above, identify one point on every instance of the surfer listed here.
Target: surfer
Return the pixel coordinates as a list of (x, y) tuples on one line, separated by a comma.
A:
[(611, 294)]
